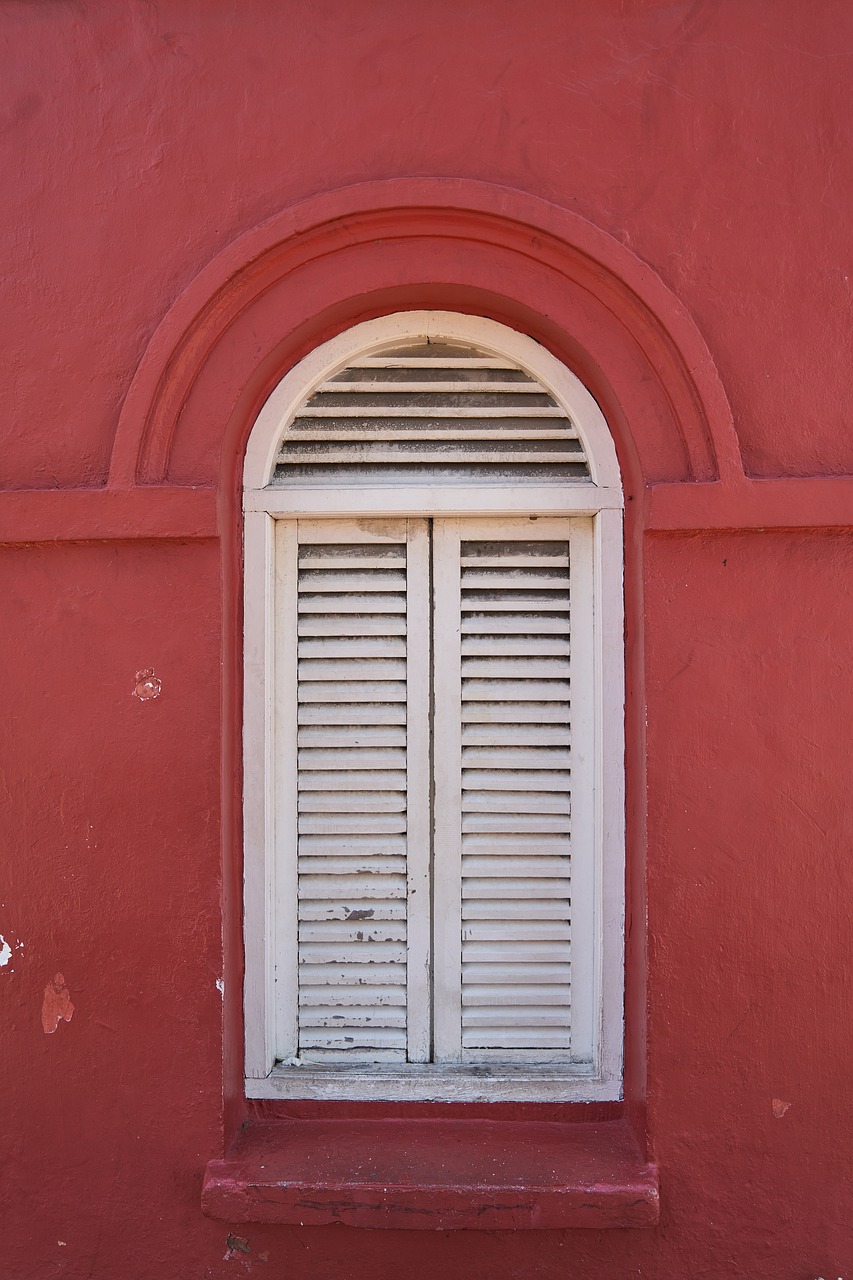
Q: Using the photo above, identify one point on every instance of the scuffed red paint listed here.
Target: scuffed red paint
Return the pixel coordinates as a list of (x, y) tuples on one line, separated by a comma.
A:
[(56, 1006)]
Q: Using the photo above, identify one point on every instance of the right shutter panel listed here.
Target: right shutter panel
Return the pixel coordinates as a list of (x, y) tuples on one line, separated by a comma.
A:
[(513, 792)]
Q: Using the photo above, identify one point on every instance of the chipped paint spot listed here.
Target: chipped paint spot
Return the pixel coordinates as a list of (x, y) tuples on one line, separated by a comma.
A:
[(56, 1006), (220, 986), (237, 1245), (148, 686), (779, 1107), (8, 947)]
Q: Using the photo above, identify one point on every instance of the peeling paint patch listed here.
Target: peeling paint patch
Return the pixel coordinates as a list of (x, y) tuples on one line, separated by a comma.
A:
[(148, 686), (779, 1107), (56, 1006), (237, 1245), (220, 986), (8, 947)]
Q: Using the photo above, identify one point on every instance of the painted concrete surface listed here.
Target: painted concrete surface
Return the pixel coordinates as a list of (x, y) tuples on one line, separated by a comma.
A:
[(659, 194)]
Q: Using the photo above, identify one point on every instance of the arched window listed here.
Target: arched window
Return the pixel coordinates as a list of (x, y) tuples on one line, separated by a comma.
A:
[(434, 811)]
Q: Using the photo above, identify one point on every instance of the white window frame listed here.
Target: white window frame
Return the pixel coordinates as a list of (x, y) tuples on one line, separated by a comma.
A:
[(601, 501)]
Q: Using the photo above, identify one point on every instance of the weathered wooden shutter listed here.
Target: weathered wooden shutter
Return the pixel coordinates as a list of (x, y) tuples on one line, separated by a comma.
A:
[(352, 679), (513, 679), (434, 413)]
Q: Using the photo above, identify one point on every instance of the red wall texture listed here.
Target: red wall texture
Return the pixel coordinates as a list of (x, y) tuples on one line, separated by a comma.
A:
[(657, 192)]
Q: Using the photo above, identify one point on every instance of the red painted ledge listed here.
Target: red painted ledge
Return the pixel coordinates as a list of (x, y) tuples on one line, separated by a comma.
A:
[(95, 515), (487, 1175)]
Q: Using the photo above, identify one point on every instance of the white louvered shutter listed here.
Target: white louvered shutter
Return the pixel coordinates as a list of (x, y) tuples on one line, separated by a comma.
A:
[(352, 683), (513, 644)]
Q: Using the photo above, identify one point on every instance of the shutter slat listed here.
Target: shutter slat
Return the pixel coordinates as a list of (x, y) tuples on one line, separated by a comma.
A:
[(350, 735), (378, 824), (507, 646), (344, 779), (353, 844), (354, 803), (424, 362), (522, 823), (505, 888), (513, 975), (312, 580), (507, 667), (342, 757), (412, 430), (350, 891), (336, 624), (381, 910), (519, 930), (497, 735), (485, 996), (347, 894), (353, 647), (476, 712), (511, 623), (380, 974), (520, 1039), (352, 602), (353, 715), (509, 757), (358, 953), (365, 997), (494, 908), (367, 931), (352, 862), (349, 668), (517, 854), (517, 782), (414, 387), (488, 413)]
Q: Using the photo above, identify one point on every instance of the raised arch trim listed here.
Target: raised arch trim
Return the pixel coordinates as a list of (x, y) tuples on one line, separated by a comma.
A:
[(408, 210)]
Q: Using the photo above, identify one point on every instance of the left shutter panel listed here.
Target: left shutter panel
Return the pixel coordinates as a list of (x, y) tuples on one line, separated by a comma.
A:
[(354, 760)]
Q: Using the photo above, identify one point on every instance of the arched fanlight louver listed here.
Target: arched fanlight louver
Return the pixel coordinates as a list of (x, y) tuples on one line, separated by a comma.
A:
[(431, 413)]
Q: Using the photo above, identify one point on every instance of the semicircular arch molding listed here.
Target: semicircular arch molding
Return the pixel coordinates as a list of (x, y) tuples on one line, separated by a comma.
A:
[(355, 254)]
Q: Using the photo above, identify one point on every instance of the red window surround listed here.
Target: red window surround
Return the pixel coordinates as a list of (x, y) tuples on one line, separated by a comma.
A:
[(251, 314)]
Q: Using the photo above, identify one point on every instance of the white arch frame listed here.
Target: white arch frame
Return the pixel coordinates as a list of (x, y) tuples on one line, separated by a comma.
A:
[(373, 336), (264, 503)]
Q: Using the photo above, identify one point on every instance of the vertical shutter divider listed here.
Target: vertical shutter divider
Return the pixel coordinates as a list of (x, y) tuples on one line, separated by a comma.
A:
[(418, 770), (285, 943), (447, 886)]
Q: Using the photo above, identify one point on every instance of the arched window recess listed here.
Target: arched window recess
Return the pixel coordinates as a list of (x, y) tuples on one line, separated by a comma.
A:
[(434, 803)]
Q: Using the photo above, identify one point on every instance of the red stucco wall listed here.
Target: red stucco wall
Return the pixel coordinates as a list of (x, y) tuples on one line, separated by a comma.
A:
[(709, 141)]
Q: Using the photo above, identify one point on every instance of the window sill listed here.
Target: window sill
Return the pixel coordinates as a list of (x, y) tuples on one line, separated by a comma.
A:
[(486, 1175), (500, 1082)]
